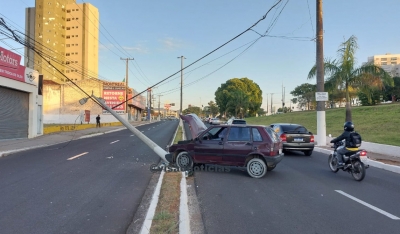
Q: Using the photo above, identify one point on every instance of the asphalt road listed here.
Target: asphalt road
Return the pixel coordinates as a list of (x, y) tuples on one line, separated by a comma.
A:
[(60, 189), (301, 195)]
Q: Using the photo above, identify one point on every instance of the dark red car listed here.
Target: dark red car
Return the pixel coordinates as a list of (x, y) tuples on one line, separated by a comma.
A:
[(258, 148)]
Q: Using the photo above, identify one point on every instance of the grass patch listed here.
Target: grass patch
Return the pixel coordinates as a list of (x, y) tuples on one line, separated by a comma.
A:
[(178, 136), (166, 218), (379, 124)]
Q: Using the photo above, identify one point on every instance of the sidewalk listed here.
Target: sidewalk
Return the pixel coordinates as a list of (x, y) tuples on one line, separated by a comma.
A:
[(16, 145)]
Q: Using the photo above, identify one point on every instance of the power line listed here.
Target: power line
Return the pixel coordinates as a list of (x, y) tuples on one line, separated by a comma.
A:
[(16, 38)]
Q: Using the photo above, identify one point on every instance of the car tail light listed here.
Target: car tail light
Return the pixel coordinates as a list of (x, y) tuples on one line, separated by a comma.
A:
[(363, 153), (283, 137), (312, 139)]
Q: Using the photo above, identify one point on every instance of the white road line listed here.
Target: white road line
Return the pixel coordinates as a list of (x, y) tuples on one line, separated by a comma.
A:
[(369, 205), (77, 156), (114, 142), (132, 135)]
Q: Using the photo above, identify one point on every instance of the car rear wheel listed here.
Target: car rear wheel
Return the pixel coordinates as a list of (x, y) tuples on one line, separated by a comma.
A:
[(308, 152), (184, 160), (256, 168)]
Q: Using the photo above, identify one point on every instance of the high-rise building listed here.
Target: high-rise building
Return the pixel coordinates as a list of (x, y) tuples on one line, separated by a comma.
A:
[(389, 62), (67, 35)]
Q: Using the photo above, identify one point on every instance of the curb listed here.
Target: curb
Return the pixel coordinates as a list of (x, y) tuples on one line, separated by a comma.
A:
[(184, 219), (370, 162)]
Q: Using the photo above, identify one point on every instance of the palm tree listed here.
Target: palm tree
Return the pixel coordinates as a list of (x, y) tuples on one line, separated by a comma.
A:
[(343, 74)]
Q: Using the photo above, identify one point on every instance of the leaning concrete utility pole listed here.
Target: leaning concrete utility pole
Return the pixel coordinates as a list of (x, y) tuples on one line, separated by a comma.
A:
[(157, 149), (126, 83), (321, 125)]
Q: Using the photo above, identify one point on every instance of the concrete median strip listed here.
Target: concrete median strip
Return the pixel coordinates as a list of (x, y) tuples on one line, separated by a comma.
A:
[(372, 163)]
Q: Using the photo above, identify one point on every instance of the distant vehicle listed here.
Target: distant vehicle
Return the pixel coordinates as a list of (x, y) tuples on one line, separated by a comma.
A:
[(258, 148), (215, 121), (236, 121), (294, 137)]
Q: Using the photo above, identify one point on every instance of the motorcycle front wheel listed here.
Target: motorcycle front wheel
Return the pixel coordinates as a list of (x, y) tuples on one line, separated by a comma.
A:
[(333, 163), (358, 170)]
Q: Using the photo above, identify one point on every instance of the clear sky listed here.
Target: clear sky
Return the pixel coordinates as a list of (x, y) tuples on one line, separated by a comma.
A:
[(156, 32)]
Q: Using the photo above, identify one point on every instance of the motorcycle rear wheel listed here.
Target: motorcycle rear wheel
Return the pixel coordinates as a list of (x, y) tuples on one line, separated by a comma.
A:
[(358, 171), (333, 163)]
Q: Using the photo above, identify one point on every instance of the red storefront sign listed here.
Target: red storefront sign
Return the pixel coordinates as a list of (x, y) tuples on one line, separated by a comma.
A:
[(10, 68)]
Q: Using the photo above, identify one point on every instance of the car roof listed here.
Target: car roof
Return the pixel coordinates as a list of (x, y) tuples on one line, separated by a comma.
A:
[(283, 124)]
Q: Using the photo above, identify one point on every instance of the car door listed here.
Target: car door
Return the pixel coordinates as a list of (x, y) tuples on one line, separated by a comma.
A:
[(210, 145), (237, 146)]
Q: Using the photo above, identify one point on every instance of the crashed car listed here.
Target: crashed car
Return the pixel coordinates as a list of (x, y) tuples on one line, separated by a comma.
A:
[(258, 148)]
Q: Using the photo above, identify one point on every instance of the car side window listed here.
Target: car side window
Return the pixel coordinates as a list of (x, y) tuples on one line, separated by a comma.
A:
[(256, 135), (217, 133), (239, 134)]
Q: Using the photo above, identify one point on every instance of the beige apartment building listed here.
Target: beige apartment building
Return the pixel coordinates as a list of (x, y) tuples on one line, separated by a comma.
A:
[(389, 62), (67, 34)]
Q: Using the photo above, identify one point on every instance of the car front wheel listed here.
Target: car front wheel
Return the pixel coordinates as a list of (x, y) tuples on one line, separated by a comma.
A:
[(184, 160), (256, 168)]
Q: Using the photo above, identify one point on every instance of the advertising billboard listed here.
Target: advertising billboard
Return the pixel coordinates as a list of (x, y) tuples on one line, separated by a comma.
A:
[(114, 95)]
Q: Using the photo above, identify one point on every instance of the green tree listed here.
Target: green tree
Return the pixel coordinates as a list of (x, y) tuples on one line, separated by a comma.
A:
[(213, 108), (343, 73), (261, 112), (392, 93), (305, 94), (238, 104), (192, 110), (225, 95)]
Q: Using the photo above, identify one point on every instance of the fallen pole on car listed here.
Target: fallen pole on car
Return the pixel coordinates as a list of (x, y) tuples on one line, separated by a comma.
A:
[(157, 149)]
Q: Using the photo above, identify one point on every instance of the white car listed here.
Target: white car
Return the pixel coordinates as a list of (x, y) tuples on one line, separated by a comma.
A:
[(215, 121)]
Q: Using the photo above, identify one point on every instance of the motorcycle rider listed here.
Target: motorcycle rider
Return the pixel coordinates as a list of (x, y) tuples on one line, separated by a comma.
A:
[(348, 128)]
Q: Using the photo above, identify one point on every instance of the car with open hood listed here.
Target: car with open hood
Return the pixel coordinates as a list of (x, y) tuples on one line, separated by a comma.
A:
[(256, 147)]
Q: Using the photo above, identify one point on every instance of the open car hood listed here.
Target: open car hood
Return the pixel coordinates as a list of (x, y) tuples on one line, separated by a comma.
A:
[(195, 124)]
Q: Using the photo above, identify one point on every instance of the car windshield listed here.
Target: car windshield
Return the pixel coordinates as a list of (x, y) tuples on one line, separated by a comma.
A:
[(294, 129)]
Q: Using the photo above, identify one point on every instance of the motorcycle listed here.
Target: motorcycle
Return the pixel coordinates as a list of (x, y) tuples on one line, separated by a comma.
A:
[(351, 160)]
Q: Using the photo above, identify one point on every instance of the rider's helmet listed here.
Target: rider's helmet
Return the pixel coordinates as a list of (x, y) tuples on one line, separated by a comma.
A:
[(348, 126)]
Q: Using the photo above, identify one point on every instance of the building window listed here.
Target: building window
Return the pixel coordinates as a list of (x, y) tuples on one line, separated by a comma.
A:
[(67, 62), (76, 26), (76, 44), (68, 19), (67, 37), (383, 59), (77, 9), (76, 18), (395, 58), (73, 9), (68, 28), (67, 45), (73, 18), (384, 63), (76, 35), (393, 63), (67, 54)]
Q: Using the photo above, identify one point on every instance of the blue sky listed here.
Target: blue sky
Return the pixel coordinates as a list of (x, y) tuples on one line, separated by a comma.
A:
[(156, 32)]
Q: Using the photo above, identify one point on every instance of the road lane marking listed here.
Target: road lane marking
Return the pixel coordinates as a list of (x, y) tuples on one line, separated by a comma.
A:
[(77, 156), (114, 142), (369, 205), (132, 135)]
